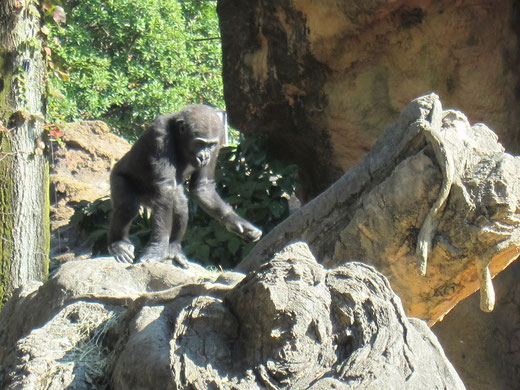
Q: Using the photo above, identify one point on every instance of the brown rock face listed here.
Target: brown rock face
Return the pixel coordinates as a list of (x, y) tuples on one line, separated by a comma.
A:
[(80, 171), (485, 347), (322, 79)]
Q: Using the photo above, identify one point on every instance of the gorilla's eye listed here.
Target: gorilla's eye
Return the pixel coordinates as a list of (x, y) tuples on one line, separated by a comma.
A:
[(203, 143), (199, 145)]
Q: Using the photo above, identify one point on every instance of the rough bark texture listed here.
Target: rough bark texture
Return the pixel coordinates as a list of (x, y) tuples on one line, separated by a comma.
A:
[(24, 201), (433, 194), (289, 325), (322, 78)]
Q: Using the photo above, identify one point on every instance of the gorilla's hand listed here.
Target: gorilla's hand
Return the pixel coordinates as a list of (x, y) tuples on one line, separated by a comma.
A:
[(123, 251), (177, 255), (244, 229)]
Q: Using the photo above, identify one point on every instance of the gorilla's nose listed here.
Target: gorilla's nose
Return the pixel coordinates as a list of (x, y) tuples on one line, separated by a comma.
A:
[(202, 160)]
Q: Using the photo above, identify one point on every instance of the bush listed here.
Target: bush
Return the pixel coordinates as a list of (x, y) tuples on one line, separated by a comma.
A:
[(130, 60), (257, 188)]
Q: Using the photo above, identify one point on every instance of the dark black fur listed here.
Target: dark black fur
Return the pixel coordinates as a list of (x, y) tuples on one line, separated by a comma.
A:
[(179, 145)]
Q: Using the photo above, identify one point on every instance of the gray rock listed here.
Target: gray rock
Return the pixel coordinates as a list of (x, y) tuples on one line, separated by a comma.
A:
[(289, 325)]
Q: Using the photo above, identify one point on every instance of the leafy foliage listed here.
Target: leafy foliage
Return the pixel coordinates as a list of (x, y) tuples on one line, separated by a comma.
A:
[(130, 60), (92, 219), (125, 62), (256, 187)]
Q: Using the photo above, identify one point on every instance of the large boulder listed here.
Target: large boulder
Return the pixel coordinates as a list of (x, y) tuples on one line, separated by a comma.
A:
[(289, 325), (322, 78)]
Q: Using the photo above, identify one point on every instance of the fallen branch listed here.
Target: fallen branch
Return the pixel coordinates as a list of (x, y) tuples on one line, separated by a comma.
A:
[(435, 196)]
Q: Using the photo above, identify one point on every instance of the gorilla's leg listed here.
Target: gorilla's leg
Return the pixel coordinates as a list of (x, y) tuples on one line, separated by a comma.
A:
[(169, 221), (179, 224), (157, 247), (125, 205)]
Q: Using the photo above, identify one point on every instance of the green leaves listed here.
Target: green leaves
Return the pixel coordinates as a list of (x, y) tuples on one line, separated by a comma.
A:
[(233, 245), (257, 188), (132, 60)]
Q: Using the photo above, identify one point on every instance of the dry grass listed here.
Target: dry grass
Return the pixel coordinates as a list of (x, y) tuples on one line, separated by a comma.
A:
[(83, 327)]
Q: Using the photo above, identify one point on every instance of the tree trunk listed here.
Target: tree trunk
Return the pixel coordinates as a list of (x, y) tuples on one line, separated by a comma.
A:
[(24, 199), (434, 206)]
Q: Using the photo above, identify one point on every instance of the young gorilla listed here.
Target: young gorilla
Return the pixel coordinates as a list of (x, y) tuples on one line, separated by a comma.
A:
[(179, 145)]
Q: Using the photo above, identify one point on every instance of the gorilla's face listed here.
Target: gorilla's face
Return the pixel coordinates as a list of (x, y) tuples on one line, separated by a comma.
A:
[(201, 130), (201, 150)]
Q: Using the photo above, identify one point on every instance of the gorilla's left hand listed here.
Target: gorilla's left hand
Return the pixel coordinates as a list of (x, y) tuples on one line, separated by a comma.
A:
[(244, 229)]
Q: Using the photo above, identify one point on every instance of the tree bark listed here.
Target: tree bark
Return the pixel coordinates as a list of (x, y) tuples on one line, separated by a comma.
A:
[(434, 206), (24, 195)]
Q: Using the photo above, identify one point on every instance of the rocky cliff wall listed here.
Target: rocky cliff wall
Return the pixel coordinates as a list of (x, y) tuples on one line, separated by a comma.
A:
[(322, 79)]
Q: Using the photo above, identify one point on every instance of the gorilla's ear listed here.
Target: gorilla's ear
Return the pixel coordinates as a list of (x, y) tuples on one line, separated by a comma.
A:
[(180, 124)]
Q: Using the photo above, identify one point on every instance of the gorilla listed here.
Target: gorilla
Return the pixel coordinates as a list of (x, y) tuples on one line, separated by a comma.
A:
[(179, 146)]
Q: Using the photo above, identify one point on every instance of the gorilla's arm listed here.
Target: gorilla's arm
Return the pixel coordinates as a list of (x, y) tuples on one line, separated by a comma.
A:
[(203, 191)]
